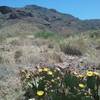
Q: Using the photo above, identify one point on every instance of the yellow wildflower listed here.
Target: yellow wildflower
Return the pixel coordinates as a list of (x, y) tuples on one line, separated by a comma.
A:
[(89, 73), (81, 85), (46, 69), (96, 73), (27, 75), (50, 73), (87, 94), (81, 76), (40, 93)]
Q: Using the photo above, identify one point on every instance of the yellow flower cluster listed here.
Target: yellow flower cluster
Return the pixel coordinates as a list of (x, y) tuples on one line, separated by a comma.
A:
[(81, 85), (81, 76), (96, 73), (88, 74), (45, 69), (40, 93), (50, 73), (40, 69), (91, 73), (52, 77)]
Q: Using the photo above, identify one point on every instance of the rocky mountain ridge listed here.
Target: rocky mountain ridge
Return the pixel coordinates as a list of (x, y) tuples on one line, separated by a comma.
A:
[(32, 18)]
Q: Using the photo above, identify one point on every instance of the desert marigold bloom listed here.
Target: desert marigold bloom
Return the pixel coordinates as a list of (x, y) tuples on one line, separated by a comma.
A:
[(27, 75), (40, 93), (46, 69), (81, 85), (81, 76), (89, 73), (50, 73), (96, 73)]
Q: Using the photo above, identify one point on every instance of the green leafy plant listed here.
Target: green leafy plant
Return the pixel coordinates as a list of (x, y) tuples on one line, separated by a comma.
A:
[(56, 84), (45, 35)]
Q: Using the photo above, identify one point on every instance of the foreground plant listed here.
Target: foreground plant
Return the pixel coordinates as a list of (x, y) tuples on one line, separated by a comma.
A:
[(55, 84)]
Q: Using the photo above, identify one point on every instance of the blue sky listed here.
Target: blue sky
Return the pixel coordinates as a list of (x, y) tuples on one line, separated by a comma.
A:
[(84, 9)]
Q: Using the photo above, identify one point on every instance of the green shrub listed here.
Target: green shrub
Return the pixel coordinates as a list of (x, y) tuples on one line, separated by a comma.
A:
[(1, 59), (45, 35), (95, 34), (17, 55), (55, 84), (92, 33), (2, 38)]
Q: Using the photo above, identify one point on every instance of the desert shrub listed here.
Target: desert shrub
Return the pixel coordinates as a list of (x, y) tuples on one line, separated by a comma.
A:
[(2, 38), (17, 55), (45, 35), (14, 42), (94, 34), (75, 45), (51, 45), (56, 84), (1, 59), (70, 50)]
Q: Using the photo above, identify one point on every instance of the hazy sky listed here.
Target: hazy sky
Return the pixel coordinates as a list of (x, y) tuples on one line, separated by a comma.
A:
[(84, 9)]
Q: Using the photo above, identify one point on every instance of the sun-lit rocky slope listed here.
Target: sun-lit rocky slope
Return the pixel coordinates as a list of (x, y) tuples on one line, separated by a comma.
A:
[(32, 18)]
